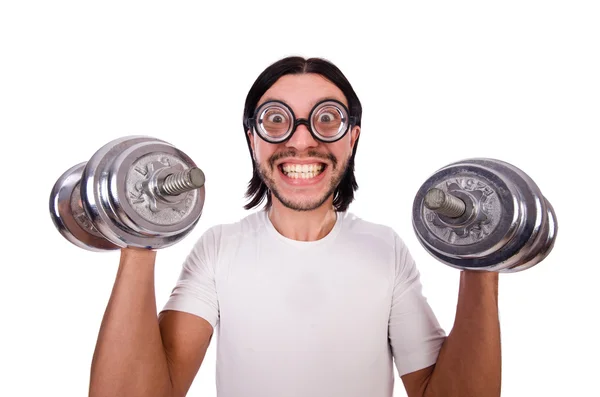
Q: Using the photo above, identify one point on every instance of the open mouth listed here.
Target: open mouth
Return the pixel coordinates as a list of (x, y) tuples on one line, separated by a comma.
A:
[(302, 171)]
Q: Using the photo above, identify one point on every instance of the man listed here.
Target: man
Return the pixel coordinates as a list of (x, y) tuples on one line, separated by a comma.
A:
[(307, 299)]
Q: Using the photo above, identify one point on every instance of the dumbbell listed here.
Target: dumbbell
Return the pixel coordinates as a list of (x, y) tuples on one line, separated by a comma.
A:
[(484, 214), (135, 191)]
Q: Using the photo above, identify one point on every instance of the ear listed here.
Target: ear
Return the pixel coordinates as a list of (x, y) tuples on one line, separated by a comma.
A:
[(251, 140), (354, 136)]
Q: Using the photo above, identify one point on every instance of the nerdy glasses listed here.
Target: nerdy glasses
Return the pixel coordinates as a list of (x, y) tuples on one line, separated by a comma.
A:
[(328, 121)]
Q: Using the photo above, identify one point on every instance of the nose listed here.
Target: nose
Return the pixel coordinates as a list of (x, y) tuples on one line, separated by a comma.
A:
[(302, 139)]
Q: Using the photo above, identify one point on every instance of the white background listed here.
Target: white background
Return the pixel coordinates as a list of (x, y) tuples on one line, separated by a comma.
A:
[(515, 80)]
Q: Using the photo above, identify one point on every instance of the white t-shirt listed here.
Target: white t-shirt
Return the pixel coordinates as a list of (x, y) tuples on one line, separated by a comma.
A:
[(309, 319)]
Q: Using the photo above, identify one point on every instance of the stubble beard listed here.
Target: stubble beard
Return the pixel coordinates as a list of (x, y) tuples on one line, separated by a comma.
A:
[(266, 174)]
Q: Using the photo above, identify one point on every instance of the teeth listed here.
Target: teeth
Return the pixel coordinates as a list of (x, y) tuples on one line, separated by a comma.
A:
[(302, 171), (301, 175), (302, 167)]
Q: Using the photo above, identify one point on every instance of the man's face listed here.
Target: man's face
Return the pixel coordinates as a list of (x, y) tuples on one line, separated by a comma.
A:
[(302, 173)]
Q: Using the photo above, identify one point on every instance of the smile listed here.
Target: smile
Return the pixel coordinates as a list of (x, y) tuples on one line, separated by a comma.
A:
[(302, 171)]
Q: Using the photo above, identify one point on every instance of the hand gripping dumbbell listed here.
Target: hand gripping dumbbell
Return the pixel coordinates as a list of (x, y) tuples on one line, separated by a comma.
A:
[(484, 214), (135, 191)]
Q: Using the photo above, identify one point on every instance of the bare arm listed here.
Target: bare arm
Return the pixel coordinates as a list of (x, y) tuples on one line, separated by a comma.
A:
[(469, 363), (130, 358)]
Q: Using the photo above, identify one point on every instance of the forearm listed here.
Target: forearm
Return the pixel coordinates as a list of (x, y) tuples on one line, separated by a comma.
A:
[(469, 363), (129, 359)]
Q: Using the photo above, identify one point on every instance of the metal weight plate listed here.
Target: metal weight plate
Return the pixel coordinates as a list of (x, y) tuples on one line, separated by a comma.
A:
[(139, 206), (68, 215), (506, 228), (536, 238), (543, 246), (465, 243), (544, 226), (115, 197), (94, 183)]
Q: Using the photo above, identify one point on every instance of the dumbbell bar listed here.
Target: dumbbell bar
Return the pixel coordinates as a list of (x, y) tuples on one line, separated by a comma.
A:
[(135, 191), (484, 214)]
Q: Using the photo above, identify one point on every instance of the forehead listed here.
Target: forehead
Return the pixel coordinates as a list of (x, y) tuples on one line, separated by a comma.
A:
[(302, 91)]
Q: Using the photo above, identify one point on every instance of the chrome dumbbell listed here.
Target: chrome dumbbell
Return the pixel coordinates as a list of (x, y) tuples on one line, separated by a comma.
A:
[(484, 214), (135, 191)]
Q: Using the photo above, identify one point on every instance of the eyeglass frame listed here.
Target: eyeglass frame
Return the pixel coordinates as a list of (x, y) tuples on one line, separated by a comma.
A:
[(252, 122)]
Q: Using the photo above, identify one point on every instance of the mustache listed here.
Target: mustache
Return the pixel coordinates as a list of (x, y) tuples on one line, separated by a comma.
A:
[(294, 154)]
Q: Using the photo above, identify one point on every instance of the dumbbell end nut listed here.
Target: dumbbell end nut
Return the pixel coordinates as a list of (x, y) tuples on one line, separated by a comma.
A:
[(181, 182), (444, 203), (197, 178)]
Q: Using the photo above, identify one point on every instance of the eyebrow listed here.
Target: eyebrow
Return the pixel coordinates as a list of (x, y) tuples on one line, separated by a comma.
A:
[(327, 98)]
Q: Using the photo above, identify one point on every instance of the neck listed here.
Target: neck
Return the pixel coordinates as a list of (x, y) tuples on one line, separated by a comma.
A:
[(303, 225)]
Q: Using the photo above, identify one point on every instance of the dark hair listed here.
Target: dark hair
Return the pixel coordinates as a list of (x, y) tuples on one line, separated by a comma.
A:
[(257, 190)]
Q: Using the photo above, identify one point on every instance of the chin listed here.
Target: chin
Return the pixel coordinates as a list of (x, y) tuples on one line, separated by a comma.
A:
[(302, 205), (297, 200)]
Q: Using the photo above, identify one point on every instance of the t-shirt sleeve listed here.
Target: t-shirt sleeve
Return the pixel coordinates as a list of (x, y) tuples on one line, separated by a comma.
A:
[(415, 335), (195, 291)]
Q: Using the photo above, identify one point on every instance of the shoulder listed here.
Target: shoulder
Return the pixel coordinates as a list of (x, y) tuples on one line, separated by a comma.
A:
[(220, 240), (361, 228), (376, 235), (247, 226), (222, 233)]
